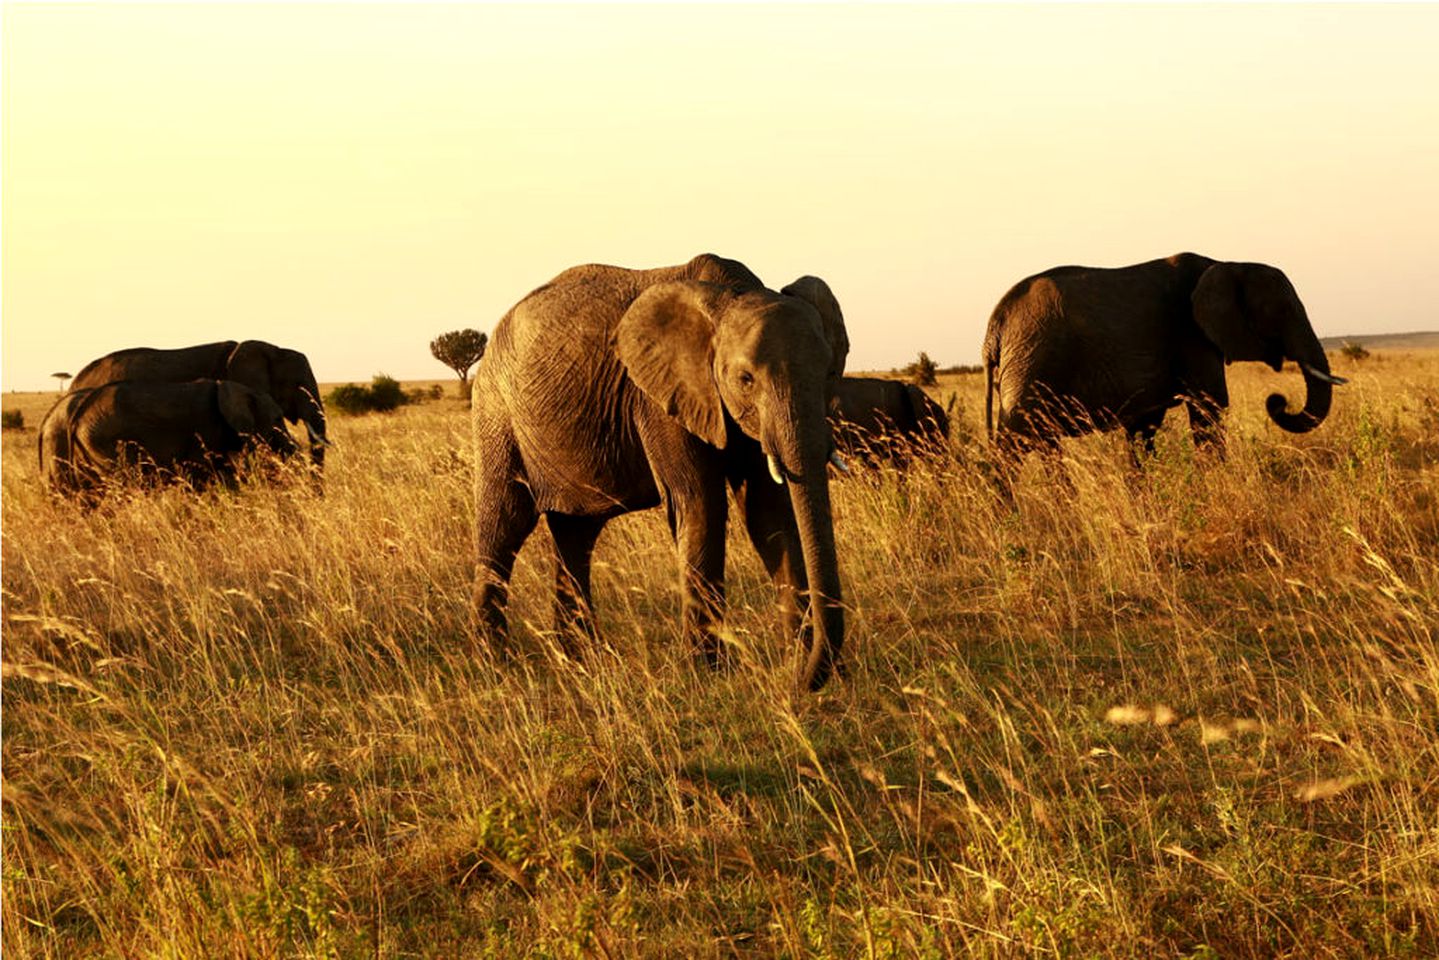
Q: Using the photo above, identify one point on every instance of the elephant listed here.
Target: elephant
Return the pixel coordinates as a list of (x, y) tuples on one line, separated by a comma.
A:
[(1076, 349), (283, 375), (876, 419), (193, 432), (57, 467), (610, 390)]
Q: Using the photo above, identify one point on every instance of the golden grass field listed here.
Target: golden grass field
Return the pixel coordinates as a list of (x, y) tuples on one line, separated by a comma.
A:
[(1188, 713)]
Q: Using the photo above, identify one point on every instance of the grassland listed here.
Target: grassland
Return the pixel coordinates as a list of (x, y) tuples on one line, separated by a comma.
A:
[(1190, 713)]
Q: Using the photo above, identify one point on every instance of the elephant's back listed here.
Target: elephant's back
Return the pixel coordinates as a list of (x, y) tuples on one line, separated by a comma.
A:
[(868, 403), (157, 365), (1095, 340)]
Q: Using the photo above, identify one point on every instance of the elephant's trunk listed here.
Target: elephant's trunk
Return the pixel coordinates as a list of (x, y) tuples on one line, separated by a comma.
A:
[(312, 415), (1318, 382), (809, 494)]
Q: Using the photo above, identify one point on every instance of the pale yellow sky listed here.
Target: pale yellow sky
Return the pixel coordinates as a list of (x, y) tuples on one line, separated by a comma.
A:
[(350, 180)]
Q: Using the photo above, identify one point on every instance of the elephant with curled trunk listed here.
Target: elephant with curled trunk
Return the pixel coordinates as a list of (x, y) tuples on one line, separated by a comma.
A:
[(886, 420), (610, 390), (193, 432), (281, 374), (1074, 349)]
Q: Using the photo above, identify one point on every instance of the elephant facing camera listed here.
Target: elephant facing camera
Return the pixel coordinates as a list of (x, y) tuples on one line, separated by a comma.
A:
[(610, 390)]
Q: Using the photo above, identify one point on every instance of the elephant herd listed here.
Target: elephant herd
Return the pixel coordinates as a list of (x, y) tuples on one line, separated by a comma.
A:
[(188, 414), (694, 387)]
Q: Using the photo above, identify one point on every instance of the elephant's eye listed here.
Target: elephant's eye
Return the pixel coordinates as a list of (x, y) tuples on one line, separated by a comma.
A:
[(746, 379)]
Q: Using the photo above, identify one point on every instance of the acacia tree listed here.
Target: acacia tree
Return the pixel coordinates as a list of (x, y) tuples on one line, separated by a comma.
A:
[(460, 350), (62, 377)]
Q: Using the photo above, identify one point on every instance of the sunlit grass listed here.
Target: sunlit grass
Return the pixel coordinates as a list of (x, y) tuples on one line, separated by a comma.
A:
[(1188, 713)]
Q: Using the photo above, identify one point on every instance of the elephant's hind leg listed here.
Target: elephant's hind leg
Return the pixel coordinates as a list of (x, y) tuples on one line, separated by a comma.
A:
[(505, 515), (574, 545)]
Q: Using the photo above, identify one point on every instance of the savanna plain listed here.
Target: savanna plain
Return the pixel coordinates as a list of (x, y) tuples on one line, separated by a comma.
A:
[(1188, 712)]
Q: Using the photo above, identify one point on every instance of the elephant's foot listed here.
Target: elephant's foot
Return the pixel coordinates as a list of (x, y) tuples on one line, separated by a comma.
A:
[(576, 636), (710, 649), (490, 633)]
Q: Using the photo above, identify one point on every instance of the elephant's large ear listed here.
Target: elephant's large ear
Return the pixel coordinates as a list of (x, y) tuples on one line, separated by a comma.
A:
[(817, 294), (237, 405), (666, 342), (249, 363), (1219, 309)]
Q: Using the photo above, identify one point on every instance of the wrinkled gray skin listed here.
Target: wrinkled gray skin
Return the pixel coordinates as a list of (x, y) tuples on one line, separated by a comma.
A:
[(193, 432), (610, 390), (885, 420), (281, 374), (1076, 349)]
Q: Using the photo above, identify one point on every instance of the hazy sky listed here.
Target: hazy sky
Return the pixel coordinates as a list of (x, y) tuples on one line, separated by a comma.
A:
[(351, 180)]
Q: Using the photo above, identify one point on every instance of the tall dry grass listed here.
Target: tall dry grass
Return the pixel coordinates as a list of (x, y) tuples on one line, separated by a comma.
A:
[(1189, 713)]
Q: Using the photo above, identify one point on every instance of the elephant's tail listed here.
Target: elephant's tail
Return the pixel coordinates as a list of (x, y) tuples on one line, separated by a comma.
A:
[(989, 367), (990, 353)]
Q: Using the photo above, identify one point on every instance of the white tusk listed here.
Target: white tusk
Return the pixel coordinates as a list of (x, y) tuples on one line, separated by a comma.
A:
[(1318, 374), (838, 462), (774, 470)]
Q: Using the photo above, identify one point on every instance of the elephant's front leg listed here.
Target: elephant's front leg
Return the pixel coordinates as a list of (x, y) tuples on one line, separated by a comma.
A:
[(769, 521), (1204, 414), (1141, 438), (698, 524)]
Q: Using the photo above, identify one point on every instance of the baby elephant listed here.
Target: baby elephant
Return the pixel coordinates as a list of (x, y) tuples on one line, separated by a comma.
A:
[(192, 432), (878, 420)]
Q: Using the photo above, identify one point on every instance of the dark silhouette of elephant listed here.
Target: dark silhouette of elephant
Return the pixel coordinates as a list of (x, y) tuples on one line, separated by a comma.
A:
[(281, 374), (1075, 349), (191, 432), (886, 421), (609, 390)]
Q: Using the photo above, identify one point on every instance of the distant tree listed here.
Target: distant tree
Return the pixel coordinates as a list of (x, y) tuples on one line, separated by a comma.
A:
[(12, 420), (460, 350), (922, 372), (62, 377)]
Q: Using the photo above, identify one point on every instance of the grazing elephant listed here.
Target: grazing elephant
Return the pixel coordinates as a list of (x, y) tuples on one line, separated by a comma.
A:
[(876, 419), (1076, 349), (610, 390), (281, 374), (193, 432)]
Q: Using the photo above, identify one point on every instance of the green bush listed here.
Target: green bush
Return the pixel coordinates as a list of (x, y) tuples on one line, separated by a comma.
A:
[(384, 393)]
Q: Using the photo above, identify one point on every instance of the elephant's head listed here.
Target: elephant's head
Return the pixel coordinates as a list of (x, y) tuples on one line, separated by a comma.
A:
[(254, 416), (1251, 312), (284, 375), (710, 356)]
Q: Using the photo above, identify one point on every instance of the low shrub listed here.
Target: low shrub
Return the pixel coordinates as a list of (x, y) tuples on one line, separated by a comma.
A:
[(384, 393)]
